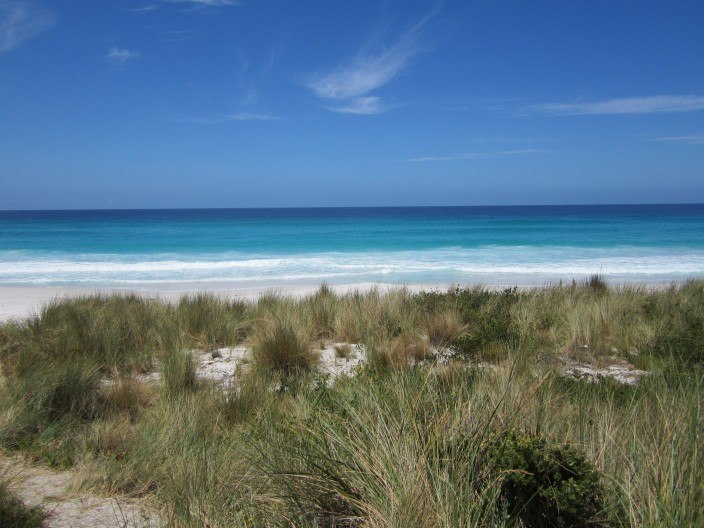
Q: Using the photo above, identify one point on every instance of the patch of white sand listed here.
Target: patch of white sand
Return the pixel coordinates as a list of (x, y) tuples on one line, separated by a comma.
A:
[(620, 371), (220, 366), (52, 490), (341, 359)]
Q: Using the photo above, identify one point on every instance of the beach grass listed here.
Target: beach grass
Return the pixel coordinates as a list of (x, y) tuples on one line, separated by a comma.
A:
[(493, 435)]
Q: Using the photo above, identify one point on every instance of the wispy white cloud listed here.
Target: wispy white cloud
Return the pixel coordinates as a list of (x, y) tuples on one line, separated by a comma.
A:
[(368, 105), (21, 21), (221, 119), (373, 67), (628, 105), (177, 35), (244, 116), (695, 139), (365, 73), (476, 155), (143, 9), (197, 4), (206, 3), (121, 56)]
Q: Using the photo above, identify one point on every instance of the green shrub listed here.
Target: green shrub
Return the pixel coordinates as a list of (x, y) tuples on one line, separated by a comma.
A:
[(14, 514), (488, 319), (41, 412), (71, 391), (545, 484)]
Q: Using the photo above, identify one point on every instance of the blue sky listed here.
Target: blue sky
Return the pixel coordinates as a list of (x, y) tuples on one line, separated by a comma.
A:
[(217, 103)]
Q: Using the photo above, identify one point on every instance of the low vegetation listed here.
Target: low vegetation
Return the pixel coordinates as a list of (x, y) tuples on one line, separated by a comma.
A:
[(487, 433), (13, 513)]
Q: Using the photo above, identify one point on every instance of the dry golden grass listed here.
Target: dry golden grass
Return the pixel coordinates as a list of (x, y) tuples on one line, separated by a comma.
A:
[(126, 395), (442, 327), (283, 344), (343, 351), (409, 348)]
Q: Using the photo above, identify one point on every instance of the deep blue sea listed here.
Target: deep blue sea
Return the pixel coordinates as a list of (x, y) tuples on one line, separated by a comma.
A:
[(221, 248)]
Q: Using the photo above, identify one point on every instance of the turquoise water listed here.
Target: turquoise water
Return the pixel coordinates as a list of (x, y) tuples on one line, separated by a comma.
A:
[(220, 248)]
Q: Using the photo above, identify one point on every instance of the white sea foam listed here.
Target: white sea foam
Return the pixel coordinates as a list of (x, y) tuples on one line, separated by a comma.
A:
[(500, 264)]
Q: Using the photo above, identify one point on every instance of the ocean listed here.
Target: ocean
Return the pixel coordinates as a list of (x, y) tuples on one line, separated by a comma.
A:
[(242, 248)]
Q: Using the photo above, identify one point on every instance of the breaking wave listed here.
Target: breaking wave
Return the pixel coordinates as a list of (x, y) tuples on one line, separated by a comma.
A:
[(489, 265)]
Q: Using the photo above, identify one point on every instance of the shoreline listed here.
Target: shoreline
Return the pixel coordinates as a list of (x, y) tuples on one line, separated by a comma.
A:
[(20, 302)]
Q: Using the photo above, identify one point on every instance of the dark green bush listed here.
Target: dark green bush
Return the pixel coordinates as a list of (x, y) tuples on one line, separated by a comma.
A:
[(546, 484), (71, 391), (14, 514), (488, 316)]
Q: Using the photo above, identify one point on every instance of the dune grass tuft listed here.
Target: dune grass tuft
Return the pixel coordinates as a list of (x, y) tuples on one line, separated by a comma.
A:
[(209, 322), (282, 344), (443, 327), (126, 395), (178, 372)]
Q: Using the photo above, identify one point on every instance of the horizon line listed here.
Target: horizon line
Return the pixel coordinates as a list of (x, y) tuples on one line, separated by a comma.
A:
[(269, 208)]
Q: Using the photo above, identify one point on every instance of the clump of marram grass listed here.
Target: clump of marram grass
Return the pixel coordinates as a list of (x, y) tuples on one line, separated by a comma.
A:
[(363, 316), (409, 348), (40, 409), (283, 344), (250, 396), (680, 329), (597, 284), (178, 372), (117, 331), (125, 395), (320, 308), (210, 322), (110, 437), (443, 326), (399, 352), (365, 454)]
